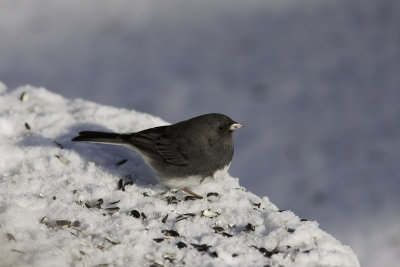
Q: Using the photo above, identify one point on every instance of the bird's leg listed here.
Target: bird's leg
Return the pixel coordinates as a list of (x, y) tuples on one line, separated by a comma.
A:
[(191, 192)]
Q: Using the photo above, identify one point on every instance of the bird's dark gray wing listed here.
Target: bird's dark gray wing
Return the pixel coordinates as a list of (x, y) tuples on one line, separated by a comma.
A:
[(161, 142)]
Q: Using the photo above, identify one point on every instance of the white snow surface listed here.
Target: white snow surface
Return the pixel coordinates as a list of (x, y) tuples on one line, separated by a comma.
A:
[(45, 179)]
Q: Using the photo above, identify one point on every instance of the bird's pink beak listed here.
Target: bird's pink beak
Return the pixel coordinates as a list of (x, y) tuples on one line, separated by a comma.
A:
[(235, 126)]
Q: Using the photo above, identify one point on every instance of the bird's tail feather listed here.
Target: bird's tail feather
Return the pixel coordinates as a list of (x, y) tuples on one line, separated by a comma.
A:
[(101, 137)]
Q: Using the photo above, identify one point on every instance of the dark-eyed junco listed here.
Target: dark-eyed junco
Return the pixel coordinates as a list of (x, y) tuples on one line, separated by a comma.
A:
[(182, 154)]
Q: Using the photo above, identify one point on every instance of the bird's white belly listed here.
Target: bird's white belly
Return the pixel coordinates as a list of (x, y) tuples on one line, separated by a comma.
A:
[(190, 181)]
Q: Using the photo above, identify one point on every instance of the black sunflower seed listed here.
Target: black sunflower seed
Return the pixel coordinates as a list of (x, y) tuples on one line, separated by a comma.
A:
[(135, 214), (218, 229), (201, 247), (226, 234), (172, 233), (250, 227), (181, 245)]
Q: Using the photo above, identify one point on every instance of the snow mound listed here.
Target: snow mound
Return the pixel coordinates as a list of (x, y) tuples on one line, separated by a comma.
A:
[(74, 204)]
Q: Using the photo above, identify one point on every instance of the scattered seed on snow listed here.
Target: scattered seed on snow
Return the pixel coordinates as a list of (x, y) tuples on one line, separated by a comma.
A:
[(112, 241), (181, 245), (249, 227), (62, 159), (24, 97), (169, 256), (10, 237), (158, 262), (143, 216), (164, 219), (59, 145), (218, 229), (171, 200), (290, 230), (114, 202), (201, 247), (212, 194), (135, 214), (120, 184), (100, 247), (112, 209), (98, 203), (213, 254), (226, 234), (18, 251), (63, 223), (88, 204), (172, 233), (27, 126), (44, 220), (158, 240), (210, 214)]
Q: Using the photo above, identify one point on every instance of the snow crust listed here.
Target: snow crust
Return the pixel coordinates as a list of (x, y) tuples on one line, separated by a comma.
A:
[(74, 204)]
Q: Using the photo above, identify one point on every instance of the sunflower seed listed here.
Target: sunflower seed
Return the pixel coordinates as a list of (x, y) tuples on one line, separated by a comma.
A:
[(172, 233), (59, 145), (164, 219), (210, 214), (27, 126), (181, 245), (169, 256), (62, 159), (191, 198), (212, 194), (63, 223), (158, 240), (88, 204), (18, 251), (113, 241), (201, 247), (44, 220), (101, 247), (226, 234), (172, 200), (10, 237), (114, 202), (98, 203), (135, 214), (250, 227), (24, 97), (218, 229)]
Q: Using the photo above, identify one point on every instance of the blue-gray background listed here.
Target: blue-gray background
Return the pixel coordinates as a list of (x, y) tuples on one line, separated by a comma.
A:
[(317, 84)]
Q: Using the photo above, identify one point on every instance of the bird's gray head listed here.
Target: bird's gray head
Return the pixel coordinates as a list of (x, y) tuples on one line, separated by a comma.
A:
[(217, 124)]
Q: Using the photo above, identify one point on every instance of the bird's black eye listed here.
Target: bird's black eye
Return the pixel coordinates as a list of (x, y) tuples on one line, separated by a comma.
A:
[(221, 127)]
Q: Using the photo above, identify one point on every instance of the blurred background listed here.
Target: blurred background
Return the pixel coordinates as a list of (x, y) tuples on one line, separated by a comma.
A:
[(316, 83)]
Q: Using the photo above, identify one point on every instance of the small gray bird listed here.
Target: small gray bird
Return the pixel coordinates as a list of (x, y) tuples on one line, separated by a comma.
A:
[(182, 154)]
